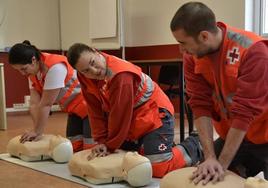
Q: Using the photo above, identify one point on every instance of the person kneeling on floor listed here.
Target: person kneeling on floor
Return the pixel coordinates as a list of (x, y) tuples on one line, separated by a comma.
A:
[(128, 110)]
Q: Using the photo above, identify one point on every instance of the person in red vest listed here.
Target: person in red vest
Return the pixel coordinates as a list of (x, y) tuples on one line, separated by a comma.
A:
[(129, 111), (226, 72), (52, 80)]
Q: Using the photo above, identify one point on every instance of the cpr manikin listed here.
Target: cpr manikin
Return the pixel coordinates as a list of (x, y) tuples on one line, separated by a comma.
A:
[(256, 183), (49, 146), (116, 167), (181, 179)]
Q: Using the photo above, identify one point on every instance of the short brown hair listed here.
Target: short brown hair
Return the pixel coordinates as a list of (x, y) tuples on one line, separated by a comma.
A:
[(75, 51), (194, 17)]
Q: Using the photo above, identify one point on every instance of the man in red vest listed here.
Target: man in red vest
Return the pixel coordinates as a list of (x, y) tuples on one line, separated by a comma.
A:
[(129, 111), (226, 72)]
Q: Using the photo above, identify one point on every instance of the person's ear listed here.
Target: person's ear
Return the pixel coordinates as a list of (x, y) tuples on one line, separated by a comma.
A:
[(33, 60), (203, 36)]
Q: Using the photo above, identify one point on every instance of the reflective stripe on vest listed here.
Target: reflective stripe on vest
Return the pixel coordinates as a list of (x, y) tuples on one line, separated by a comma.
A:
[(89, 141), (69, 92), (157, 158), (223, 110), (242, 40), (229, 98), (147, 85), (77, 142), (185, 155), (81, 138), (76, 138)]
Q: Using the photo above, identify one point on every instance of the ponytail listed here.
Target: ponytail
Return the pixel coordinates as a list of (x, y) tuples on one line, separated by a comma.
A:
[(22, 53)]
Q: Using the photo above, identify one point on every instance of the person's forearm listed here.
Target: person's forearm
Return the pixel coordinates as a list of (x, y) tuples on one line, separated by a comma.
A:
[(205, 132), (232, 143), (41, 118), (33, 112)]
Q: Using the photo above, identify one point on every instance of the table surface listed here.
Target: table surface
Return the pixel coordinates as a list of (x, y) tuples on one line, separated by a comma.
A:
[(156, 61)]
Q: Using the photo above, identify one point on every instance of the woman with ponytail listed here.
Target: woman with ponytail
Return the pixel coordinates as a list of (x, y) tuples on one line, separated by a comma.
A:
[(51, 80)]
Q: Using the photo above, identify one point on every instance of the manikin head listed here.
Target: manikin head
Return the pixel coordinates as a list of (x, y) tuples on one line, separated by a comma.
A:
[(256, 183), (61, 149), (49, 146), (137, 169)]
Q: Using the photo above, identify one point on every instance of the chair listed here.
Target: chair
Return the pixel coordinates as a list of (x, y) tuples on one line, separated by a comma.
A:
[(169, 75)]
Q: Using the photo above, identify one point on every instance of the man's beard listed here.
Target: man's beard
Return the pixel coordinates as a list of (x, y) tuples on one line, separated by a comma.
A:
[(209, 51)]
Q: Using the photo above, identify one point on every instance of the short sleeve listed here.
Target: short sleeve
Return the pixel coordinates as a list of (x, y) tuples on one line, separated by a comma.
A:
[(55, 77)]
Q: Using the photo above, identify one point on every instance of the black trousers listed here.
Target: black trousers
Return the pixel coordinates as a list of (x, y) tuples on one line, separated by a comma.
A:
[(249, 160), (78, 126)]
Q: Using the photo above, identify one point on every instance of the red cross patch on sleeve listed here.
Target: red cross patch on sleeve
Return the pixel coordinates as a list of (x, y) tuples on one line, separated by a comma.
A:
[(233, 55), (162, 147)]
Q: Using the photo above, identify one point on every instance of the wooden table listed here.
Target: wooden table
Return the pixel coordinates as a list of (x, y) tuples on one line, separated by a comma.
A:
[(148, 64), (3, 120)]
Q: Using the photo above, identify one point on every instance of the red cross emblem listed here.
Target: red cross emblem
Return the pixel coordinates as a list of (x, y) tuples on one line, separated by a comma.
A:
[(233, 55), (162, 147)]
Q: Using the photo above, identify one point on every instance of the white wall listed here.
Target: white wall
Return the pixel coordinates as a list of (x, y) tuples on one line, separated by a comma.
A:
[(147, 21), (75, 25), (74, 20), (35, 20)]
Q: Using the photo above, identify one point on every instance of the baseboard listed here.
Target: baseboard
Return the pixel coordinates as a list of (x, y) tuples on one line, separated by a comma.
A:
[(54, 108)]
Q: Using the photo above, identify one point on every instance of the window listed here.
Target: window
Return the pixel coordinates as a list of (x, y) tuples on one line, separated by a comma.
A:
[(256, 16), (264, 18)]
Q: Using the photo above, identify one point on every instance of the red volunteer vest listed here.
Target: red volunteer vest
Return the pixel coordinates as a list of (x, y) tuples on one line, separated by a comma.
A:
[(224, 81), (142, 121), (70, 98)]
